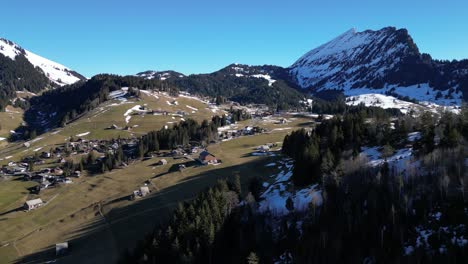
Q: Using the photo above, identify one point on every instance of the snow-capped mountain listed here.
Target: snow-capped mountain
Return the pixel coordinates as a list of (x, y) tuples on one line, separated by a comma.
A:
[(161, 75), (55, 72), (382, 61)]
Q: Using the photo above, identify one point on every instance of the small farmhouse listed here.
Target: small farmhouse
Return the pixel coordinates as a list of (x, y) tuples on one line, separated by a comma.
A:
[(33, 204), (207, 158), (142, 192)]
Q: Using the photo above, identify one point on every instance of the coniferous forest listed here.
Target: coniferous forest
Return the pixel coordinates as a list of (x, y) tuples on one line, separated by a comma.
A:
[(382, 214)]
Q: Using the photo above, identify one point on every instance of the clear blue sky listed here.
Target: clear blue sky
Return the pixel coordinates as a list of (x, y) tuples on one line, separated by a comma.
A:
[(197, 36)]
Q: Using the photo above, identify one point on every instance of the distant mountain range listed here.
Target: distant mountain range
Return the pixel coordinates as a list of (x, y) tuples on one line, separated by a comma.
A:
[(385, 61)]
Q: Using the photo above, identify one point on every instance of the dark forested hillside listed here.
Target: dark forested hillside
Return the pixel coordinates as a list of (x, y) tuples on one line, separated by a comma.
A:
[(62, 105), (19, 75), (245, 84), (369, 214)]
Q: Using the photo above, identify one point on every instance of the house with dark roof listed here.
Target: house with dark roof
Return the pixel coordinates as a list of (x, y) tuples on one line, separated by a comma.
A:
[(206, 158)]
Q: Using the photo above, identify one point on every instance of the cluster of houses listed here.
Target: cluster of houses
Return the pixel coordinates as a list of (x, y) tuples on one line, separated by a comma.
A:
[(48, 177), (204, 157), (234, 133)]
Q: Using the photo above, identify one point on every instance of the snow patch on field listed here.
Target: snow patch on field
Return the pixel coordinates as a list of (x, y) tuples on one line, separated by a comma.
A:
[(149, 93), (128, 113), (83, 134), (281, 128), (192, 108)]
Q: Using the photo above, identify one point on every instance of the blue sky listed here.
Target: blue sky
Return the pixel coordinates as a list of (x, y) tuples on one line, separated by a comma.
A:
[(198, 36)]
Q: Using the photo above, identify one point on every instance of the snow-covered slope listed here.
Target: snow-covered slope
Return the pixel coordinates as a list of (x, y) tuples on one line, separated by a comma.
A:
[(161, 75), (405, 107), (338, 63), (56, 72), (383, 101), (387, 61)]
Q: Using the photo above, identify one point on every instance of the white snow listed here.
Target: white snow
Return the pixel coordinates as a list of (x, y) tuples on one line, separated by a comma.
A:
[(281, 128), (266, 77), (191, 107), (83, 134), (380, 100), (423, 93), (2, 138), (399, 159), (128, 113), (274, 198), (150, 93)]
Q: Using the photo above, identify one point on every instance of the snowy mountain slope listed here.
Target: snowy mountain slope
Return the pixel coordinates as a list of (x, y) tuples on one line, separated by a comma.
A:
[(385, 60), (56, 72)]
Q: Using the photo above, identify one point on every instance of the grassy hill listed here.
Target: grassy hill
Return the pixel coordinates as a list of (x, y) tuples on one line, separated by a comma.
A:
[(94, 212)]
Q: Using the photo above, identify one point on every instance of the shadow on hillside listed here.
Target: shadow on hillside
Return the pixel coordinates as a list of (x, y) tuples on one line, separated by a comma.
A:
[(105, 239), (306, 124), (21, 208)]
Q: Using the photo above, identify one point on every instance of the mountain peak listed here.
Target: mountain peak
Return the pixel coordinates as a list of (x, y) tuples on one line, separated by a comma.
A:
[(377, 61), (55, 72), (334, 63)]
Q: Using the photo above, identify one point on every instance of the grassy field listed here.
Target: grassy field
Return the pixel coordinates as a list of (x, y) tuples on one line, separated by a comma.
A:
[(99, 120), (9, 120), (95, 214)]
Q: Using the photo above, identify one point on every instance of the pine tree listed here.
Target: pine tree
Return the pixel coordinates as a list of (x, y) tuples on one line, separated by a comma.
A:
[(252, 258), (235, 184), (31, 166), (290, 204)]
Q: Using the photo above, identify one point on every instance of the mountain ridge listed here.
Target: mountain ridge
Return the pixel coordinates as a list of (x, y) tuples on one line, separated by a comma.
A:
[(387, 60), (55, 72)]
